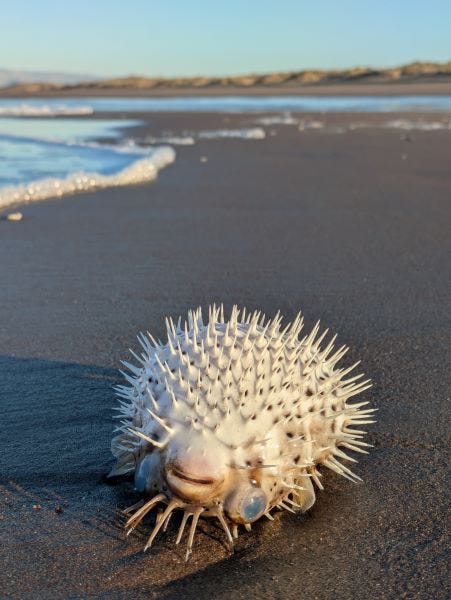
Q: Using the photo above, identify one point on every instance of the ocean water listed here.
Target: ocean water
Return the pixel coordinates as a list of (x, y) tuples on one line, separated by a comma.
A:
[(45, 157), (64, 129), (32, 149), (50, 146), (25, 160), (89, 105)]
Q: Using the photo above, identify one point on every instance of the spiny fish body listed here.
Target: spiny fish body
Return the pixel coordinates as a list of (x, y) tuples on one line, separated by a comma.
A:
[(233, 418)]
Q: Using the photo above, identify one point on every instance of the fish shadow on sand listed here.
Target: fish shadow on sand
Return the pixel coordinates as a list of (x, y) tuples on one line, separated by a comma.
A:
[(55, 429)]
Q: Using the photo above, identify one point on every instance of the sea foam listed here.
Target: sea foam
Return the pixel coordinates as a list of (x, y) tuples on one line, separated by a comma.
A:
[(189, 138), (253, 133), (282, 119), (419, 125), (141, 170), (181, 140), (47, 110)]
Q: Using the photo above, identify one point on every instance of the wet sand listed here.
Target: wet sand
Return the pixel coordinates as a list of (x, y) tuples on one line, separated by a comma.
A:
[(352, 228)]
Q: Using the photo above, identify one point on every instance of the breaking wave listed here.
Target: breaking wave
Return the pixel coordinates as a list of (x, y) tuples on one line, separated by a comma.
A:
[(139, 171)]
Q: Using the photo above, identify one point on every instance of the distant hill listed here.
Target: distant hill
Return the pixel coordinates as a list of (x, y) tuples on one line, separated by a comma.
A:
[(10, 78), (63, 84)]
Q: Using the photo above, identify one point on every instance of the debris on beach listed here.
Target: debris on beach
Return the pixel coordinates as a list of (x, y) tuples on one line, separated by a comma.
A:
[(15, 216)]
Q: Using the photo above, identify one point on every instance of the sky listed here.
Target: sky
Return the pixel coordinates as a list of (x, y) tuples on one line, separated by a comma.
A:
[(198, 37)]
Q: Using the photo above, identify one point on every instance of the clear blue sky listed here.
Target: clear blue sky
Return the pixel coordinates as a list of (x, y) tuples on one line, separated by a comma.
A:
[(190, 37)]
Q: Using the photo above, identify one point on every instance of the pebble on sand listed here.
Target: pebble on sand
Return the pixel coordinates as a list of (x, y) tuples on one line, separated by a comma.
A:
[(15, 216)]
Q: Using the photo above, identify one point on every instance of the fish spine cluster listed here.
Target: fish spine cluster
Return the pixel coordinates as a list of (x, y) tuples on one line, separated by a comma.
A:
[(232, 418)]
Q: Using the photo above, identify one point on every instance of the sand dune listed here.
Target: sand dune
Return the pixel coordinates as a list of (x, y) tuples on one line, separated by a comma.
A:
[(303, 81)]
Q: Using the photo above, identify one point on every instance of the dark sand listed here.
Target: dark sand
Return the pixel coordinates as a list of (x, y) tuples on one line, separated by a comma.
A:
[(354, 229)]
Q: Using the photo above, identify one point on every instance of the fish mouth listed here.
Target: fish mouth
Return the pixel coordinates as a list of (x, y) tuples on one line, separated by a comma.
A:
[(192, 487), (192, 478)]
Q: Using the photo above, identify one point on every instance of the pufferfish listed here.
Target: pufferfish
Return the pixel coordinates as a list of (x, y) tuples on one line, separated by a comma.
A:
[(233, 418)]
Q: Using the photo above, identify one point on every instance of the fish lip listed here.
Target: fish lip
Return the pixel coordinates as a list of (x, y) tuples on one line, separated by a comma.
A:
[(193, 480)]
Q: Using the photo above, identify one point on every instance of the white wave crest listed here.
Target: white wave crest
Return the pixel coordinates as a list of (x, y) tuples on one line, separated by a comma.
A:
[(402, 124), (141, 170), (283, 119), (28, 110), (253, 133), (305, 124), (419, 125), (126, 146), (187, 140)]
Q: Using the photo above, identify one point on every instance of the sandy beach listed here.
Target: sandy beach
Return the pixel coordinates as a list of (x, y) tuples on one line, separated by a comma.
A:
[(353, 228)]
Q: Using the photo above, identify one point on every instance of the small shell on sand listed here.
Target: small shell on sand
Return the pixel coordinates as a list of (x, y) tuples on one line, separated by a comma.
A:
[(15, 216)]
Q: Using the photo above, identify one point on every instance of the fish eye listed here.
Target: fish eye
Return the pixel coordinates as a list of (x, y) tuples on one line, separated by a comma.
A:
[(146, 472), (246, 504), (253, 505)]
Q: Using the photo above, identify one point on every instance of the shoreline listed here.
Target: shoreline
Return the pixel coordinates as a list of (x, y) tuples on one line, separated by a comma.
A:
[(202, 125)]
